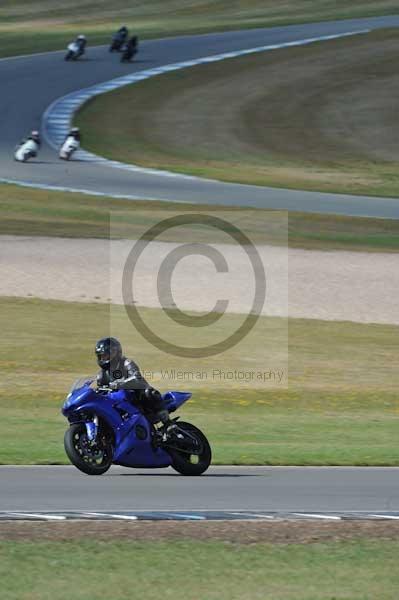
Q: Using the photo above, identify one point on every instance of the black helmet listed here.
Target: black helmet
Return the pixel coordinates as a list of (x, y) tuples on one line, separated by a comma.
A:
[(108, 350)]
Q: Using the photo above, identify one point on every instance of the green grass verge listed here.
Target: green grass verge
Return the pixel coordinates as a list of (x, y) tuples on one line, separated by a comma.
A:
[(341, 406), (197, 569), (29, 26), (25, 211), (317, 117)]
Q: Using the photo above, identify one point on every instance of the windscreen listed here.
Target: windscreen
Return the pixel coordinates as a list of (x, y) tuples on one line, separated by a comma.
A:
[(80, 382)]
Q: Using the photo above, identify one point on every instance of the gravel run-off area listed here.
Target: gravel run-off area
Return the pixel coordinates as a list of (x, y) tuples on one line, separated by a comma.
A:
[(339, 285)]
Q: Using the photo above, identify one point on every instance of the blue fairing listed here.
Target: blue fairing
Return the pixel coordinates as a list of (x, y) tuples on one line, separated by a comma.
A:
[(133, 434), (173, 400)]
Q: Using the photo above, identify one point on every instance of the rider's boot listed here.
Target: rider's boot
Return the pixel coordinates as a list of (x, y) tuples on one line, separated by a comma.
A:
[(162, 416)]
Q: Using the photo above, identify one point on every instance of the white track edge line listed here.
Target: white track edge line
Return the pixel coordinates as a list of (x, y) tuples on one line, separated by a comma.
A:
[(317, 516), (79, 515), (139, 511), (59, 188), (47, 517), (111, 515)]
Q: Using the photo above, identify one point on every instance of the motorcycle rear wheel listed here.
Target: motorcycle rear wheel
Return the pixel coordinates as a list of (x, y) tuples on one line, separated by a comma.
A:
[(82, 456), (192, 464)]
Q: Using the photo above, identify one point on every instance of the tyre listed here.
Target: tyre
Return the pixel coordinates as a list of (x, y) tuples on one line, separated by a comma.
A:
[(92, 460), (191, 464), (68, 55)]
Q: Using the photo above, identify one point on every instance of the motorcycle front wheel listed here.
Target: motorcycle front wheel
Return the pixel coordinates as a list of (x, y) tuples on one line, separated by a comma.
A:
[(198, 461), (92, 460)]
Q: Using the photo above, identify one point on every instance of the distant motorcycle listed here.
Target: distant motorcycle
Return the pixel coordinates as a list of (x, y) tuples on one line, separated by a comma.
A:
[(106, 428), (26, 150), (69, 147), (130, 50), (118, 40), (74, 51), (128, 54)]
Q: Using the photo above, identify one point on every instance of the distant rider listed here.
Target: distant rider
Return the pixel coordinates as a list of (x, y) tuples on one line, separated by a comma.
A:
[(121, 34), (133, 43), (131, 47), (75, 134), (34, 136), (120, 373), (81, 41), (118, 39)]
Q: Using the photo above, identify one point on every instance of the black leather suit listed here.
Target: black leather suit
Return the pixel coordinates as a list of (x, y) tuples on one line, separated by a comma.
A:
[(128, 375)]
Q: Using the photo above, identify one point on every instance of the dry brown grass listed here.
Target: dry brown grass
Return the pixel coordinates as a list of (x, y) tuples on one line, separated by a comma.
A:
[(62, 214), (220, 11)]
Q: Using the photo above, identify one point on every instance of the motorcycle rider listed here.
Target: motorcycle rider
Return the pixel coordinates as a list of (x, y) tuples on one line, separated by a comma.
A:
[(118, 39), (75, 134), (121, 34), (123, 31), (34, 136), (131, 47), (81, 41), (120, 373)]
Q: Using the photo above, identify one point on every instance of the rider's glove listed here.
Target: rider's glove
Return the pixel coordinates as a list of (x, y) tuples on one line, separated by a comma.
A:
[(153, 396), (113, 385)]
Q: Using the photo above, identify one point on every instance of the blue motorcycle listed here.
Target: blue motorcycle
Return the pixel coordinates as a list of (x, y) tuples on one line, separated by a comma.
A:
[(106, 428)]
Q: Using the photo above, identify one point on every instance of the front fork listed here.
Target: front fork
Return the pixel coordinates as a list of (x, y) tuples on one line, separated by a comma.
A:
[(92, 429)]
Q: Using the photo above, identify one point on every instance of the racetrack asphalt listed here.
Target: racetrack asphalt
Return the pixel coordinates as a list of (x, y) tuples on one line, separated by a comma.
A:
[(289, 489), (30, 84)]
